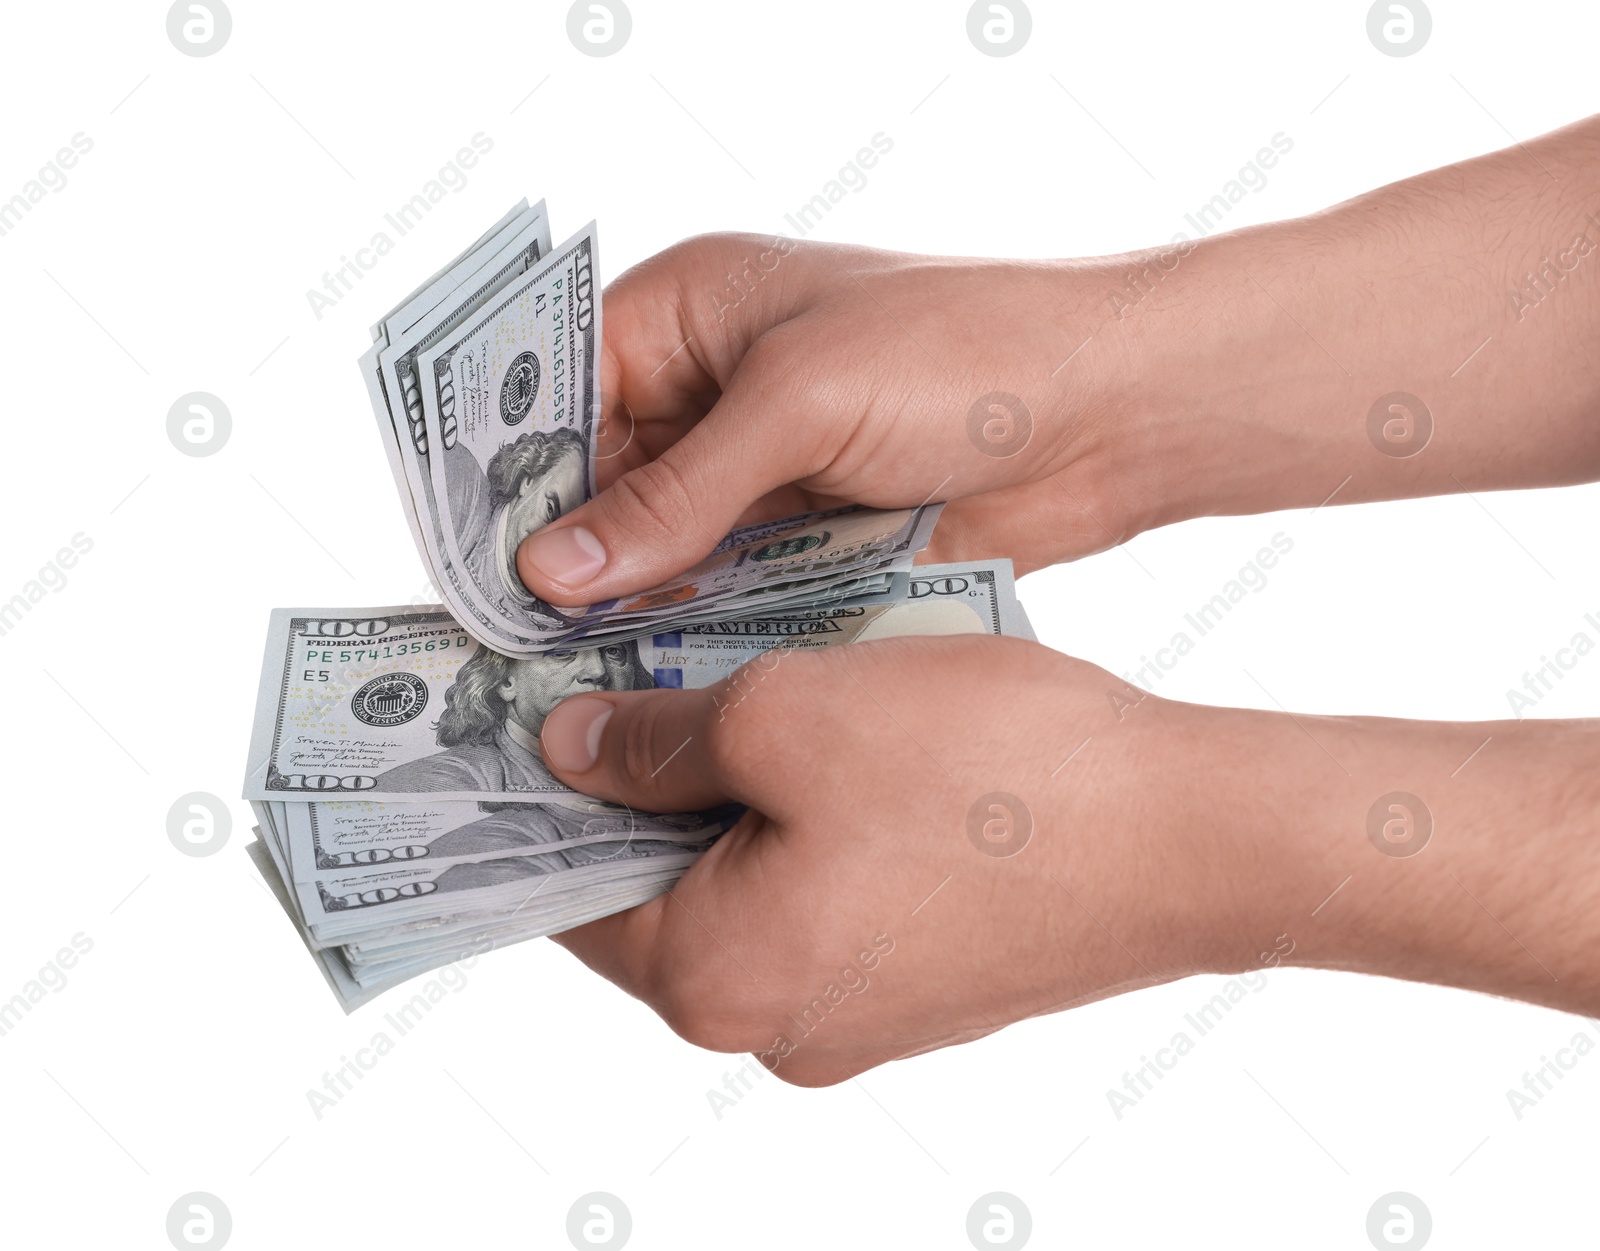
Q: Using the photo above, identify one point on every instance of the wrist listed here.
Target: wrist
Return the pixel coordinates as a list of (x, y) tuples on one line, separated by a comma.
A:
[(1378, 350), (1211, 398), (1487, 881)]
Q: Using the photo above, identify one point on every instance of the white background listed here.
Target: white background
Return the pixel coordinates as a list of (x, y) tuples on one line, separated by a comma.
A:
[(177, 258)]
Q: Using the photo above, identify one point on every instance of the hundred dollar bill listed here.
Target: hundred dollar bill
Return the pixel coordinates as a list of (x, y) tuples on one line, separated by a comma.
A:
[(768, 565), (402, 704), (543, 890), (445, 279), (335, 903), (358, 972), (486, 386), (505, 926), (391, 372), (509, 398), (355, 836)]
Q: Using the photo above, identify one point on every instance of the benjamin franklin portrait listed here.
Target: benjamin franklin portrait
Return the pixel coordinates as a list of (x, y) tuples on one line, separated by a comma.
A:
[(493, 711), (528, 484)]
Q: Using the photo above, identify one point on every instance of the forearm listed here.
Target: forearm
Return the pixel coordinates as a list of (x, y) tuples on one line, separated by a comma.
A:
[(1465, 854), (1243, 378)]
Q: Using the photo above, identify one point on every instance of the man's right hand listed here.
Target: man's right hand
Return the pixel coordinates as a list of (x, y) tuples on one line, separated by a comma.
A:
[(749, 378)]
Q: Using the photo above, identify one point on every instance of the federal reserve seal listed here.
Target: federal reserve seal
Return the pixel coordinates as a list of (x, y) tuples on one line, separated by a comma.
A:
[(784, 549), (520, 387), (393, 699)]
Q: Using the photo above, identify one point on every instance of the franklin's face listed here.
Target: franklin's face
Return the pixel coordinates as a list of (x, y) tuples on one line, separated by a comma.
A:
[(540, 500), (538, 683)]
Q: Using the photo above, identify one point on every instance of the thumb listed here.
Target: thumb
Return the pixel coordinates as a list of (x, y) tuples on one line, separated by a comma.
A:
[(665, 516), (653, 750)]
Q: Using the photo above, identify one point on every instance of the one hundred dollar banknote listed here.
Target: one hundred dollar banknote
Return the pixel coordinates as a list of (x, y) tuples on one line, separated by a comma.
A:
[(353, 837), (403, 704), (485, 383), (371, 946)]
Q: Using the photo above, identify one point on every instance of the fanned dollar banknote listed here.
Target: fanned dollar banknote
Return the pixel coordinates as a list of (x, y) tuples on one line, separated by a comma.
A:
[(486, 386)]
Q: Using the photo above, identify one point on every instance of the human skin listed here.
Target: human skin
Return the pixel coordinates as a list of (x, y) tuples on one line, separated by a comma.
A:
[(1240, 382), (1168, 839), (1179, 839)]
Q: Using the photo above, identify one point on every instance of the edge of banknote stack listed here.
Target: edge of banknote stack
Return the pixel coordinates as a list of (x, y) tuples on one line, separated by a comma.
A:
[(406, 819)]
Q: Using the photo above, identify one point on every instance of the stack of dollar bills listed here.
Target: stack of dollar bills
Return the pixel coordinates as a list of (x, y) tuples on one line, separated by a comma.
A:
[(407, 819)]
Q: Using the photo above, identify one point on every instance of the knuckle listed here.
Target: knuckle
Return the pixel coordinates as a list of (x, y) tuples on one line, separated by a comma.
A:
[(784, 358), (639, 745), (654, 497), (704, 1013), (770, 704), (717, 246), (725, 745), (756, 703), (806, 1072), (793, 683), (691, 255), (709, 1029), (710, 243)]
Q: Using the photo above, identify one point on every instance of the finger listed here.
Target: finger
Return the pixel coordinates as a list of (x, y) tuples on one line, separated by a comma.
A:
[(663, 517), (651, 750), (651, 390), (647, 364), (625, 946), (693, 953), (1036, 524), (678, 323), (617, 947)]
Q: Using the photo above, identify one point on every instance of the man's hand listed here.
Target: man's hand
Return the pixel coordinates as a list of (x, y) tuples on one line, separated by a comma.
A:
[(911, 844), (747, 377), (949, 835)]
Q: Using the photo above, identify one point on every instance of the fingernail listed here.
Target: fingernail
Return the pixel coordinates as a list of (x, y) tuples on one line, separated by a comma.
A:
[(568, 557), (570, 739)]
